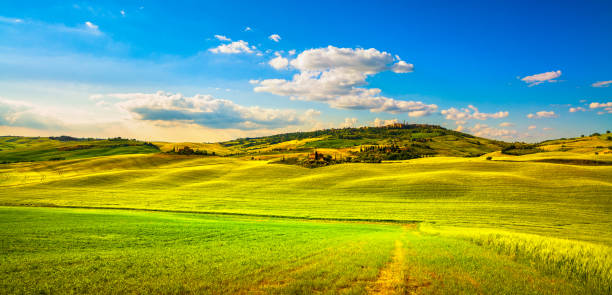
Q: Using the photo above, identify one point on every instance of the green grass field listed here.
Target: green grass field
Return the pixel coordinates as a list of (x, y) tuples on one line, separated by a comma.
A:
[(447, 191), (148, 222), (26, 149), (48, 251)]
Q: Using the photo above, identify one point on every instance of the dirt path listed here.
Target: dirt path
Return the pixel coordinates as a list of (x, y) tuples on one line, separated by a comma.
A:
[(391, 277)]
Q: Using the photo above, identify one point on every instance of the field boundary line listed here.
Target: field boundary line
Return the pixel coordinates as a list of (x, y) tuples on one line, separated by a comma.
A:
[(369, 220)]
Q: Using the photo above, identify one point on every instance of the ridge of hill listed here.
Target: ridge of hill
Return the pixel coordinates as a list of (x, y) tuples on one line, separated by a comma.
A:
[(420, 138), (27, 149), (361, 144)]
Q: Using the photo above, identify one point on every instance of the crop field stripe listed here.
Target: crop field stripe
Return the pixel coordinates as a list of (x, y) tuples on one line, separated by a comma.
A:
[(393, 221)]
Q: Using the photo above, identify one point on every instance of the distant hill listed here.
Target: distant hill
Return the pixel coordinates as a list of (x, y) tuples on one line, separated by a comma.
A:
[(421, 139), (26, 149), (321, 147)]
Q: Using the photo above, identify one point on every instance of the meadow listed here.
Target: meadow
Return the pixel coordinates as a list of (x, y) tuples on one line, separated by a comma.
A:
[(165, 223), (57, 250), (530, 196)]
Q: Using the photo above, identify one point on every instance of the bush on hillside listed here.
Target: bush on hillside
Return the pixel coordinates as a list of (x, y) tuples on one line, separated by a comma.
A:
[(519, 149)]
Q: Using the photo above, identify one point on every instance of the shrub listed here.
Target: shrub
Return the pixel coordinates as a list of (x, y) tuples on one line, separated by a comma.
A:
[(489, 158)]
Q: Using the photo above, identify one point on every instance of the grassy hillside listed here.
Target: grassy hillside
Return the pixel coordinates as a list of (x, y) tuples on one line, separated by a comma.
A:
[(25, 149), (597, 143), (535, 220), (365, 144), (453, 191), (432, 139), (218, 148)]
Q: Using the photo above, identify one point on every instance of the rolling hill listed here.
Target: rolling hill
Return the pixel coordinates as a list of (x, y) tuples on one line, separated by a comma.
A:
[(423, 139), (331, 146), (466, 215), (26, 149)]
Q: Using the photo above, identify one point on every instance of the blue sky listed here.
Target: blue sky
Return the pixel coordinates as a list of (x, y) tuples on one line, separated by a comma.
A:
[(186, 70)]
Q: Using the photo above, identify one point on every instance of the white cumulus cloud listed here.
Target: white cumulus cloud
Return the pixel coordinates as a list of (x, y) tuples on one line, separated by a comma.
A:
[(576, 109), (222, 38), (541, 78), (279, 63), (205, 110), (460, 116), (22, 114), (383, 122), (275, 37), (235, 47), (606, 106), (334, 75), (402, 67), (483, 130), (542, 114), (349, 122)]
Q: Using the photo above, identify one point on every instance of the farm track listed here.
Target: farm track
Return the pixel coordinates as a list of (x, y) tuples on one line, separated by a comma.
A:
[(393, 277)]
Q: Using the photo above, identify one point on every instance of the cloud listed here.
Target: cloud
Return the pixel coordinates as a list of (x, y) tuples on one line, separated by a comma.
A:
[(602, 83), (222, 38), (542, 114), (349, 122), (595, 105), (576, 109), (248, 29), (369, 61), (531, 127), (205, 110), (292, 52), (10, 20), (92, 26), (21, 114), (506, 124), (402, 67), (547, 129), (459, 128), (43, 29), (233, 48), (471, 112), (279, 63), (333, 75), (122, 12), (275, 37), (541, 78), (382, 122), (607, 106), (483, 130)]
